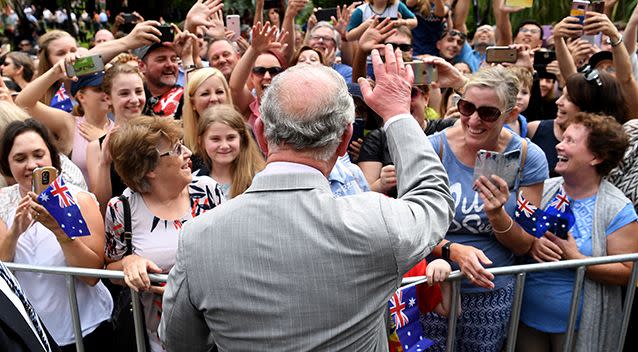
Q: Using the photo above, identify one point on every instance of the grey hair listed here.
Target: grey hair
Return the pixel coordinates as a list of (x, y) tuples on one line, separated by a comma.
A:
[(335, 34), (314, 124), (502, 80)]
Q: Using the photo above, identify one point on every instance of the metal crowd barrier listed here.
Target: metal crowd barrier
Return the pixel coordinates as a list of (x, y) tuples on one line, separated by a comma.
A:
[(519, 270)]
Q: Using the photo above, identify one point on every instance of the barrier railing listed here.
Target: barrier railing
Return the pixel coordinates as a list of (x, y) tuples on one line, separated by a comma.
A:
[(519, 270)]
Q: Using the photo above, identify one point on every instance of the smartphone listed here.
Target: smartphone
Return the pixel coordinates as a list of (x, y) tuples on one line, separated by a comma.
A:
[(272, 4), (167, 34), (423, 73), (500, 54), (129, 17), (42, 177), (543, 58), (391, 18), (85, 66), (358, 129), (597, 6), (504, 165), (579, 9), (519, 3), (234, 24), (326, 14)]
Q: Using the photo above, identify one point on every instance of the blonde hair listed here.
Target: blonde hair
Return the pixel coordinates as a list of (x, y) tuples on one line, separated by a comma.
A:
[(10, 112), (43, 59), (190, 117), (250, 159), (116, 70)]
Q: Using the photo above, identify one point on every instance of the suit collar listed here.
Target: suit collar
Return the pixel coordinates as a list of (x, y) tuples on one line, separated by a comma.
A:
[(289, 181), (15, 321)]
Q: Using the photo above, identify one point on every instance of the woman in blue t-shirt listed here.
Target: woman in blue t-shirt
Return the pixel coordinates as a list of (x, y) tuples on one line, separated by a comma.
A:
[(605, 224), (395, 9), (483, 231), (430, 16)]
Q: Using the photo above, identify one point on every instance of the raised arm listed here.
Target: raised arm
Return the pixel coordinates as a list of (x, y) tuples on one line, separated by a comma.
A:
[(60, 122), (372, 38), (567, 28), (288, 25), (629, 37), (143, 33), (503, 25)]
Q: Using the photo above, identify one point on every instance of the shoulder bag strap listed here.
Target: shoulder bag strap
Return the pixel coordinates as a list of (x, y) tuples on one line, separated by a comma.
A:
[(523, 157), (128, 234)]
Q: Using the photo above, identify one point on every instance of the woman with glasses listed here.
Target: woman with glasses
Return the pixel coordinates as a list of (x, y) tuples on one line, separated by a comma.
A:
[(605, 224), (72, 132), (483, 232), (259, 64), (19, 67), (162, 195)]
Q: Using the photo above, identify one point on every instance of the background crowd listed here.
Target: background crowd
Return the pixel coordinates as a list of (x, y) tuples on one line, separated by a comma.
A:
[(166, 133)]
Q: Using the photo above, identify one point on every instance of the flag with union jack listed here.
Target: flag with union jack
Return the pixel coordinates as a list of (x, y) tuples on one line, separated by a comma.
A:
[(404, 316), (61, 100), (560, 214), (533, 220), (59, 202)]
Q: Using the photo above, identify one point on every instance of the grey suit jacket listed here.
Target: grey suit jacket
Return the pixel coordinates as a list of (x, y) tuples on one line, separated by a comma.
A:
[(289, 267)]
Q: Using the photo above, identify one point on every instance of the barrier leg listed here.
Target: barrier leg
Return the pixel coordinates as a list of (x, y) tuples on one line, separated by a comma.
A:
[(75, 313), (451, 326), (573, 311), (516, 312), (137, 318), (629, 300)]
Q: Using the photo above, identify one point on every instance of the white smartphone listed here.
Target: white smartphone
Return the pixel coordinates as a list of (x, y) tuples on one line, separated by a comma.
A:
[(234, 24)]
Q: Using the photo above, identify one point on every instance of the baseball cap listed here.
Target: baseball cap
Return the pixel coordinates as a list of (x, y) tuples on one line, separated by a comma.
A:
[(142, 51), (600, 56), (93, 80)]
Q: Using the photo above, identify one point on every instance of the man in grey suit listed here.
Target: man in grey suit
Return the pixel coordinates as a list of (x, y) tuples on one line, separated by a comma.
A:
[(289, 267)]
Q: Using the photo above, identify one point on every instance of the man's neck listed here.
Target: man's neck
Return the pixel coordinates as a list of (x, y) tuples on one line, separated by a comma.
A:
[(302, 158), (157, 90)]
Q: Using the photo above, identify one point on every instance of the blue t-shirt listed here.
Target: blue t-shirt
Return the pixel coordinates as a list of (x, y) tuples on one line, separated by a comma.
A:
[(344, 70), (426, 33), (467, 55), (522, 120), (347, 178), (547, 294), (364, 11), (470, 225)]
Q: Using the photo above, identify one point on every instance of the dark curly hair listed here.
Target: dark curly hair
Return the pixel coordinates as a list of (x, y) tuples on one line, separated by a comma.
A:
[(607, 139)]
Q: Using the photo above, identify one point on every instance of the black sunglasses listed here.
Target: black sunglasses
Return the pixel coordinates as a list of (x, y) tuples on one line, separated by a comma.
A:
[(485, 113), (454, 33), (402, 47), (273, 71)]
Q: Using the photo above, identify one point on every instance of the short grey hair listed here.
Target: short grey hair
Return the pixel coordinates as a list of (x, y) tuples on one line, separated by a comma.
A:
[(314, 124), (335, 35), (502, 80)]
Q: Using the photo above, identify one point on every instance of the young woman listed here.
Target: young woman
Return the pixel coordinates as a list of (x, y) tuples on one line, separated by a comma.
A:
[(19, 67), (397, 10), (124, 89), (72, 134), (231, 156), (54, 45)]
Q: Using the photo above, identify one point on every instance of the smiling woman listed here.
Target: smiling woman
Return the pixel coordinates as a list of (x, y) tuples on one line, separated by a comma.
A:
[(483, 232)]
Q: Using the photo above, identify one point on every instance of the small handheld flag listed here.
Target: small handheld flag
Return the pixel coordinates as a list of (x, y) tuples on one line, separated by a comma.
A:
[(404, 314), (533, 220), (59, 202), (557, 217), (560, 213)]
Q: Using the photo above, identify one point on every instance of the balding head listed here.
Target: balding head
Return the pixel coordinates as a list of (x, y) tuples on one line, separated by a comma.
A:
[(102, 36), (315, 123)]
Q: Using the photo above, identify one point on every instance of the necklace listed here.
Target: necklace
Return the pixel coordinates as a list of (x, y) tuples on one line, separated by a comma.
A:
[(377, 13)]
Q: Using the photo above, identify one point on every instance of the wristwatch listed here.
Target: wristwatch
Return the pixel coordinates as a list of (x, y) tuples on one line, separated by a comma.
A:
[(445, 251)]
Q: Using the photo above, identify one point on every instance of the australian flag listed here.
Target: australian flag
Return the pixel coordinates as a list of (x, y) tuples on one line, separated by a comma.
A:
[(404, 313), (533, 220), (61, 100), (57, 200), (560, 214)]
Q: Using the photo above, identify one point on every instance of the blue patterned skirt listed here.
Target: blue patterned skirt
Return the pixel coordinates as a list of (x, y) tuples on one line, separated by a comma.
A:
[(482, 326)]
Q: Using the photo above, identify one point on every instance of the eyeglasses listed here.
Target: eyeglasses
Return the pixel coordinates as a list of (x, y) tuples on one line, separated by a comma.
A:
[(529, 30), (325, 38), (402, 47), (273, 71), (454, 33), (485, 113), (177, 150), (592, 76)]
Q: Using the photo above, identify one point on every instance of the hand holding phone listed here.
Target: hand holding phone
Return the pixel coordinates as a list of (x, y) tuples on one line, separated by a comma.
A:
[(504, 165), (85, 66), (234, 24), (167, 33), (42, 177), (579, 9), (500, 54), (424, 73)]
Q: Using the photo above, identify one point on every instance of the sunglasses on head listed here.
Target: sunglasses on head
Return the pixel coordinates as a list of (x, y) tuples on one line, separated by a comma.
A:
[(592, 76), (485, 113), (402, 47), (260, 71)]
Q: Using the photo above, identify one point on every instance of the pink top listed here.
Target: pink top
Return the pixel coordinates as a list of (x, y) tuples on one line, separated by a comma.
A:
[(78, 154), (254, 112)]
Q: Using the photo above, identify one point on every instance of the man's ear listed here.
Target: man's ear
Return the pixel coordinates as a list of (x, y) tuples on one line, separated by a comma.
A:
[(345, 141), (259, 135)]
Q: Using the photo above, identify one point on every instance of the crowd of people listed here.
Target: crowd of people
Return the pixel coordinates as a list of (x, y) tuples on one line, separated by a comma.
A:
[(290, 175)]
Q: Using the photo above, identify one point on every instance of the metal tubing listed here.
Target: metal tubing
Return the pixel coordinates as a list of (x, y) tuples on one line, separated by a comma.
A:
[(137, 319), (629, 300), (573, 310), (516, 312), (451, 324), (75, 313)]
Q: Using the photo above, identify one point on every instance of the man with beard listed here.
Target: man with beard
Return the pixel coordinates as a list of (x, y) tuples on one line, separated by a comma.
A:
[(160, 68)]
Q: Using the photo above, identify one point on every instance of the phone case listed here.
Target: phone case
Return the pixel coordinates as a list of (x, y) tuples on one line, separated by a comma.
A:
[(42, 177), (579, 8), (499, 54), (233, 24), (423, 73), (85, 66), (504, 165)]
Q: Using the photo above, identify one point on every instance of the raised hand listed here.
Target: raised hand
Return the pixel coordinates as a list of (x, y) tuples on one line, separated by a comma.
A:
[(376, 34), (264, 38), (144, 33), (449, 76), (343, 17), (201, 12), (568, 27)]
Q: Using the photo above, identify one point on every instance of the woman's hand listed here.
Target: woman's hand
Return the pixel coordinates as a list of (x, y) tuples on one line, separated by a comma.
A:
[(136, 271), (388, 178), (449, 76), (568, 27), (105, 156), (375, 35), (437, 271), (471, 261), (90, 132), (23, 217), (494, 193), (568, 246), (597, 22), (264, 38), (355, 149), (200, 14), (544, 250), (42, 215)]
